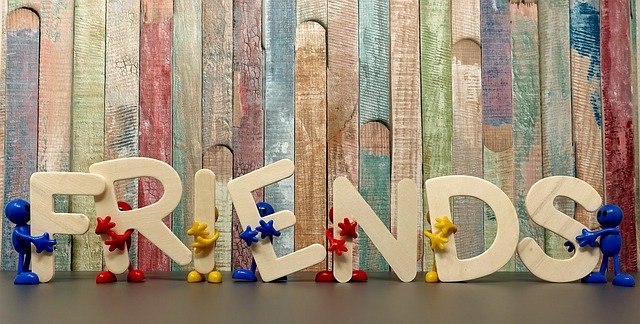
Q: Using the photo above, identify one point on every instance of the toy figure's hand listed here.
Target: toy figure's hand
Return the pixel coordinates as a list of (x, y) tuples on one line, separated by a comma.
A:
[(117, 241), (105, 225), (437, 240), (43, 243), (570, 246), (198, 229), (587, 238), (267, 229), (446, 226), (203, 244), (348, 228), (337, 246), (249, 236)]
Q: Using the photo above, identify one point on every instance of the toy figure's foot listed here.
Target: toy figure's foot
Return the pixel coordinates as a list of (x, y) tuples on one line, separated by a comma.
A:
[(431, 277), (359, 276), (214, 277), (195, 276), (106, 277), (244, 275), (27, 278), (135, 276), (325, 276), (595, 277), (624, 280)]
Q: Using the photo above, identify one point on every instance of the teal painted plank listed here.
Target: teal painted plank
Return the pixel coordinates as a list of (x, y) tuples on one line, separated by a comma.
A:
[(279, 46)]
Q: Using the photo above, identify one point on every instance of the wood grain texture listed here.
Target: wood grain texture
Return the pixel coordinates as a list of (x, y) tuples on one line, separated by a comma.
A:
[(279, 47), (468, 213), (435, 38), (406, 126), (497, 108), (219, 159), (635, 59), (342, 96), (527, 136), (21, 128), (88, 116), (248, 128), (155, 115), (374, 109), (312, 10), (187, 108), (3, 101), (217, 113), (555, 94), (618, 126), (310, 136), (375, 187), (586, 98)]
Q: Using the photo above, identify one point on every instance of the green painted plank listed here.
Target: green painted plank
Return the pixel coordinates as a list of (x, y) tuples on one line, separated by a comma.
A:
[(435, 37)]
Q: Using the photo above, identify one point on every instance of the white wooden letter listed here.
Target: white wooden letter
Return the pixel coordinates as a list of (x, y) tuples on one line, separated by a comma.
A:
[(271, 267), (205, 211), (450, 268), (401, 253), (44, 185), (147, 220), (540, 206)]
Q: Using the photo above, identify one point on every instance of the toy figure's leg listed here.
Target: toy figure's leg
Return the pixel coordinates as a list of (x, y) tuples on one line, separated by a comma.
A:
[(135, 275), (432, 276), (621, 279), (24, 276), (359, 276), (106, 276), (598, 277), (244, 274), (214, 276)]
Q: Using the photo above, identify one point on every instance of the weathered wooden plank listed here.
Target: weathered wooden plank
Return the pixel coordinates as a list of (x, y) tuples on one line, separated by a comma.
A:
[(155, 115), (555, 92), (187, 108), (468, 213), (310, 136), (497, 109), (618, 126), (20, 143), (527, 136), (248, 119), (435, 31), (635, 59), (342, 96), (279, 47), (220, 160), (217, 113), (375, 186), (312, 10), (3, 101), (406, 127), (374, 109)]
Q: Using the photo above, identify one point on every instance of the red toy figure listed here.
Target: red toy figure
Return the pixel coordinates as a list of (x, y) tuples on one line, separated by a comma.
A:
[(348, 228), (117, 241)]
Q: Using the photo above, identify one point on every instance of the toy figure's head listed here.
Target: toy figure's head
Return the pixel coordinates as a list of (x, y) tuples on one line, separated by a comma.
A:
[(265, 209), (609, 216), (18, 211)]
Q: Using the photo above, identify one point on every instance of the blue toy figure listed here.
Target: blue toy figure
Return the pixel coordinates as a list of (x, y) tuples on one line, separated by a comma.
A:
[(18, 212), (250, 236), (609, 216)]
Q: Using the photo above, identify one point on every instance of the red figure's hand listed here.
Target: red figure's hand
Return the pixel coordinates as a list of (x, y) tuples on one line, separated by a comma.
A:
[(104, 225), (348, 228), (337, 246)]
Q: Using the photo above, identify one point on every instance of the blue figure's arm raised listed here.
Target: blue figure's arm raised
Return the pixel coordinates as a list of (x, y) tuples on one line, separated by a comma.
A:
[(589, 237), (41, 242)]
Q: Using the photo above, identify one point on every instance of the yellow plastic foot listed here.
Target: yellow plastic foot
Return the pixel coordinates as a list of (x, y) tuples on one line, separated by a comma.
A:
[(214, 277), (194, 276), (431, 277)]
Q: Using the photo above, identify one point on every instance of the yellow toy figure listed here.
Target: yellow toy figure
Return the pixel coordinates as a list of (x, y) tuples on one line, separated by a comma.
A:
[(202, 246), (438, 242)]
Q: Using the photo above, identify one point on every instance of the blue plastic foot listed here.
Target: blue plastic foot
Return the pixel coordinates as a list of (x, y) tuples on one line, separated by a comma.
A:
[(244, 275), (624, 280), (595, 277), (27, 278)]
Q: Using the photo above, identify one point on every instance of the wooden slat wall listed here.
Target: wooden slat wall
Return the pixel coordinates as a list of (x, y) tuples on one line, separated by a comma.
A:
[(3, 101), (507, 90)]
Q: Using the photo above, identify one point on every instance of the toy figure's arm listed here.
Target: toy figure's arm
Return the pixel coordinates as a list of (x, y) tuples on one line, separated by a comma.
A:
[(41, 242), (589, 237)]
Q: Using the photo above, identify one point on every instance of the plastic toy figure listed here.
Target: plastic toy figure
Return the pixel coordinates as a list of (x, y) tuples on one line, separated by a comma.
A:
[(250, 236), (609, 216), (437, 242), (116, 241), (348, 228), (204, 244), (18, 212)]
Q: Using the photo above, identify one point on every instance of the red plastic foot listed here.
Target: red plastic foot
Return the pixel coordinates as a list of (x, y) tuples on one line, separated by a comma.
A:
[(359, 276), (325, 276), (106, 277), (135, 276)]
